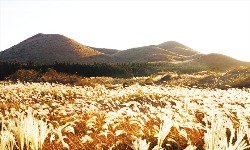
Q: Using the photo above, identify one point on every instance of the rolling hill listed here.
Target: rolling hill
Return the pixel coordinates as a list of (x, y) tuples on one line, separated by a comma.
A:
[(48, 48), (221, 60), (150, 53), (167, 52), (51, 48)]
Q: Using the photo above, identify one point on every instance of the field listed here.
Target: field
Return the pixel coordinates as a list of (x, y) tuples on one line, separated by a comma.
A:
[(141, 115)]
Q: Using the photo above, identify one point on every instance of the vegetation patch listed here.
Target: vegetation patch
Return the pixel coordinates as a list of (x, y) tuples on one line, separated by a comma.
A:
[(57, 116)]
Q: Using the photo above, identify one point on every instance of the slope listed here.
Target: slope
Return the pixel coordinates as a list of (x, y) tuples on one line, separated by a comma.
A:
[(215, 59), (178, 48), (166, 52), (106, 50)]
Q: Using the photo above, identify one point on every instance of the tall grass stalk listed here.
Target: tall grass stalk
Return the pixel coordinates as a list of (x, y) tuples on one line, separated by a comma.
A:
[(163, 132), (220, 135), (140, 144), (30, 132), (7, 139)]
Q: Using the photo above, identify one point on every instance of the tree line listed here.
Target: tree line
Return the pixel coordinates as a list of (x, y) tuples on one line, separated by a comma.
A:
[(119, 70), (85, 70)]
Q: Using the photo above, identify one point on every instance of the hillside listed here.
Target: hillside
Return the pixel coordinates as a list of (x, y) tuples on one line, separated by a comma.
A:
[(146, 54), (166, 52), (106, 50), (215, 60), (48, 48), (178, 48)]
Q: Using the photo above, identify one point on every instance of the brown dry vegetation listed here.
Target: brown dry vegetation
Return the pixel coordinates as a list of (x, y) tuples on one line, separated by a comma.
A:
[(150, 116), (164, 111), (237, 77)]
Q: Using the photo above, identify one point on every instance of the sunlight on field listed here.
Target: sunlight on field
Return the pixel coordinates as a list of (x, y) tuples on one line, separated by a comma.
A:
[(56, 116)]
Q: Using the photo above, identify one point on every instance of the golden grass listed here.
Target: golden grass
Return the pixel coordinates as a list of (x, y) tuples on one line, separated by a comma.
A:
[(56, 116)]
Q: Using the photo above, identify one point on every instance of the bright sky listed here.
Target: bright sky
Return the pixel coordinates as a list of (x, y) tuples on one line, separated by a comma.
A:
[(208, 26)]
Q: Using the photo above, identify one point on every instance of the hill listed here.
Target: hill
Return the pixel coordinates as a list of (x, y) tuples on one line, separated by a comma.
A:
[(215, 60), (170, 51), (48, 48), (150, 53)]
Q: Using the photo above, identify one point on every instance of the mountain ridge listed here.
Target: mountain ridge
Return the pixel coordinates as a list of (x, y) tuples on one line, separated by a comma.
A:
[(51, 48)]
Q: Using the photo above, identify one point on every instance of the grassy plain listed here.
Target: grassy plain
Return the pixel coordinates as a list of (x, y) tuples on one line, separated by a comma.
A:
[(205, 110)]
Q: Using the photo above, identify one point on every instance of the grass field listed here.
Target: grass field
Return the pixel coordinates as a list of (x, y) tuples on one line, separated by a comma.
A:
[(53, 116)]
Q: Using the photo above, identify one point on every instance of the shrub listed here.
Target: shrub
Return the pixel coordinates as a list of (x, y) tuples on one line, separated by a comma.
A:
[(25, 76), (53, 76), (165, 78)]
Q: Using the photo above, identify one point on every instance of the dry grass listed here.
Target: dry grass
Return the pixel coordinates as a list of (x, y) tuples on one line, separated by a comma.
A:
[(56, 116), (234, 78)]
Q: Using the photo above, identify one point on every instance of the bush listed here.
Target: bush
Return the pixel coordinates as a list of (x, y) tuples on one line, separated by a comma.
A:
[(53, 76), (25, 76), (165, 78)]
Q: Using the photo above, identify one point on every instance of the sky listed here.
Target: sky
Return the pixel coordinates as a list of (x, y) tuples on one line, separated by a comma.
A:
[(208, 26)]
